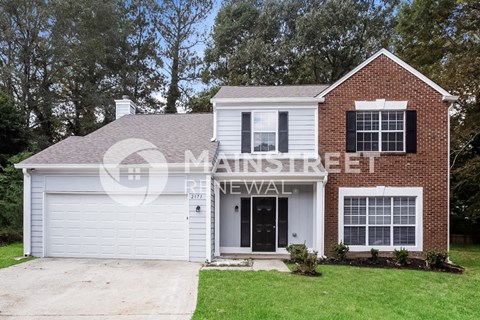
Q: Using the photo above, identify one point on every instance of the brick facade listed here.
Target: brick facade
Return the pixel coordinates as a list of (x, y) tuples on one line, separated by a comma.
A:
[(428, 168)]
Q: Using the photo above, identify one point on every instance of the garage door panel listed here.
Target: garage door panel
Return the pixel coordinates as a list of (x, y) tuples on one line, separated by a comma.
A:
[(98, 227)]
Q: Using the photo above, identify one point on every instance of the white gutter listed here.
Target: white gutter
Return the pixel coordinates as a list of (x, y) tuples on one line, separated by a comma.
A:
[(267, 100), (181, 167), (27, 212), (450, 98)]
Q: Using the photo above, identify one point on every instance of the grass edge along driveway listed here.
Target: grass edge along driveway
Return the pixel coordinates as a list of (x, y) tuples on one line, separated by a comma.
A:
[(9, 252), (344, 292)]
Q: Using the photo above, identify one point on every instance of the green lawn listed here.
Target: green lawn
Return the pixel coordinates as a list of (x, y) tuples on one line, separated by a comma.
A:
[(344, 292), (7, 253)]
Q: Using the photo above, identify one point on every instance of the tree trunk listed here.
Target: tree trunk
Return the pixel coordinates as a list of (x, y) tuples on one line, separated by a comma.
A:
[(173, 91)]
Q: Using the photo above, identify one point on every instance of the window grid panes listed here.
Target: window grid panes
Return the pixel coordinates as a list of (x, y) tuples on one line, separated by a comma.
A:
[(383, 221), (380, 130), (265, 131)]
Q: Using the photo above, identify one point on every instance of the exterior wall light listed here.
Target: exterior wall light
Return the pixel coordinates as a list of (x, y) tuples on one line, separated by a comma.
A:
[(197, 209), (236, 208)]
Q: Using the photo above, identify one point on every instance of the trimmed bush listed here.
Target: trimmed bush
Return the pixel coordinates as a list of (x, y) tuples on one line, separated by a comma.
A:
[(435, 259), (340, 251), (306, 262), (401, 256), (374, 255), (296, 251), (9, 235)]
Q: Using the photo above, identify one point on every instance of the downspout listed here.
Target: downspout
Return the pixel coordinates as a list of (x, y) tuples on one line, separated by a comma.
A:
[(325, 180), (448, 178), (27, 212)]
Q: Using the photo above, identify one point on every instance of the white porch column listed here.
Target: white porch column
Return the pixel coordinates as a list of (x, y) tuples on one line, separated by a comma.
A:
[(217, 218), (319, 219)]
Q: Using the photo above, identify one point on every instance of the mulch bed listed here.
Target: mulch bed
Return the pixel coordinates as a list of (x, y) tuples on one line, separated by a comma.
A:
[(389, 263)]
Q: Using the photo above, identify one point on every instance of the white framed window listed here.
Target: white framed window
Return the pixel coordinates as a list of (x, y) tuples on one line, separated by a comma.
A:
[(384, 218), (265, 131), (382, 131)]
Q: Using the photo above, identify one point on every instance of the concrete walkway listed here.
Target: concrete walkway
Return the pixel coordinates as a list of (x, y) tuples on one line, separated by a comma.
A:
[(258, 265), (269, 265), (74, 289)]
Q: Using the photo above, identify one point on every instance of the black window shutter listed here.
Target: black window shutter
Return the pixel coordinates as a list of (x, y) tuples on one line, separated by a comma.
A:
[(283, 131), (246, 132), (411, 134), (245, 222), (351, 131), (282, 222)]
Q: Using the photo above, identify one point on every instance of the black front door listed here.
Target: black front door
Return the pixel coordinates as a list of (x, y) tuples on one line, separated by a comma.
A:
[(264, 215)]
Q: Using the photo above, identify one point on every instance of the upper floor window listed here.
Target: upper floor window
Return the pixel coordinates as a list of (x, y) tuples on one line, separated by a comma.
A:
[(265, 131), (380, 130)]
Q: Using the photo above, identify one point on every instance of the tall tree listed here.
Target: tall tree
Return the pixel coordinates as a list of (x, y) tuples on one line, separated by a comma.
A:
[(106, 49), (295, 42), (26, 68), (180, 27), (85, 36), (201, 101), (246, 46), (336, 35), (442, 39), (139, 53), (13, 131)]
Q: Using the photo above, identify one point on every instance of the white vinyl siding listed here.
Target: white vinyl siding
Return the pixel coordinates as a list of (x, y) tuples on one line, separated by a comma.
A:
[(301, 130)]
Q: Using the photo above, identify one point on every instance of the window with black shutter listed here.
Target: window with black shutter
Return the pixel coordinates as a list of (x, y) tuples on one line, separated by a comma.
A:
[(381, 131)]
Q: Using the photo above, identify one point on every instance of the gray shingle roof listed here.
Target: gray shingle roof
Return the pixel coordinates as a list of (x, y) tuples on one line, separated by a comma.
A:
[(171, 134), (299, 91)]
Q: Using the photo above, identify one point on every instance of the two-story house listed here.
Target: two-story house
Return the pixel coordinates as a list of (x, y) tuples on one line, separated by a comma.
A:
[(363, 161)]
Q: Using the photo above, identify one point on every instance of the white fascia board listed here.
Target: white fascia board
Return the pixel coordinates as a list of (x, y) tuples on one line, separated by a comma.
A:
[(268, 156), (446, 95), (266, 100), (269, 176), (172, 167)]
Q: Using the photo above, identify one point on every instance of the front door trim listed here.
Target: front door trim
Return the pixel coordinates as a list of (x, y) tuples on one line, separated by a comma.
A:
[(276, 221)]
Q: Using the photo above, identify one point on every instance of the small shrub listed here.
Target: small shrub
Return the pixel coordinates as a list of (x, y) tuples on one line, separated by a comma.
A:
[(374, 255), (306, 262), (401, 256), (296, 251), (435, 259), (340, 251), (9, 235)]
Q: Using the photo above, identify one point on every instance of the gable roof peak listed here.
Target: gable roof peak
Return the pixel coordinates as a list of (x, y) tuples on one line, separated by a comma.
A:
[(446, 95)]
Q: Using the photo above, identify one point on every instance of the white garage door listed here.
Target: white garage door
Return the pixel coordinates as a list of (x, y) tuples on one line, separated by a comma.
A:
[(94, 225)]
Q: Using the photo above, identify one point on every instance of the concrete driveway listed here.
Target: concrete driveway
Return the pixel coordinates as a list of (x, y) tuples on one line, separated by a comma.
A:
[(74, 289)]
